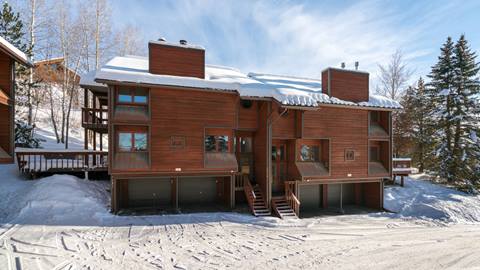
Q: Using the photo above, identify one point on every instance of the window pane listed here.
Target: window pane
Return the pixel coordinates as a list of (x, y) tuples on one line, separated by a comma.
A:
[(125, 141), (140, 99), (310, 153), (274, 153), (210, 143), (140, 141), (124, 95), (374, 154), (222, 143), (245, 145)]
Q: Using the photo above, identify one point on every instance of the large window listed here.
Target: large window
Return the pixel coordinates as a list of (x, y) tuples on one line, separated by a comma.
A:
[(132, 141), (132, 96), (216, 143), (310, 153)]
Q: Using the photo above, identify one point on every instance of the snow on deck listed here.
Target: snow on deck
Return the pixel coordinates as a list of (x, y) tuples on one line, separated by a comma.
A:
[(287, 90)]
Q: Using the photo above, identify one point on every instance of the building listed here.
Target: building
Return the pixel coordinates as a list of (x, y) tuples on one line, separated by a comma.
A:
[(9, 55), (185, 134)]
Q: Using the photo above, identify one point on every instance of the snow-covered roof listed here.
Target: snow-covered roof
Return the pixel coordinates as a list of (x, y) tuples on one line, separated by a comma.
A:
[(287, 90), (14, 52), (87, 80)]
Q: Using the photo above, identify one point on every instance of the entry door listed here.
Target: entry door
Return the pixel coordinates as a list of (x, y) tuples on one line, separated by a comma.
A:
[(245, 155), (279, 166)]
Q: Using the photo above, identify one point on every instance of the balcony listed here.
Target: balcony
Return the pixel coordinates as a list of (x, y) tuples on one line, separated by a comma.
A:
[(95, 119), (379, 125)]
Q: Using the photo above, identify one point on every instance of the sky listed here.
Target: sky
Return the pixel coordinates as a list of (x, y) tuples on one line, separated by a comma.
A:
[(302, 38)]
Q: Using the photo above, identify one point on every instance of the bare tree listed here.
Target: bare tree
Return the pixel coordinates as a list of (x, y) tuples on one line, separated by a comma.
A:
[(128, 41), (393, 77)]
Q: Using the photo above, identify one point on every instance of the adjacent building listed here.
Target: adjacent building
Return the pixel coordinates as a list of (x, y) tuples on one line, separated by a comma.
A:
[(186, 135), (9, 55)]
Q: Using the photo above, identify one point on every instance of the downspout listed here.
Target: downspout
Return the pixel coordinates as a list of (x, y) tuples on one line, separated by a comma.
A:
[(270, 121)]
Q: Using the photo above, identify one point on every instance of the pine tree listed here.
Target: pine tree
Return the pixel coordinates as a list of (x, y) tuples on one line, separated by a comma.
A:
[(11, 27), (402, 129), (439, 96), (421, 126), (465, 112)]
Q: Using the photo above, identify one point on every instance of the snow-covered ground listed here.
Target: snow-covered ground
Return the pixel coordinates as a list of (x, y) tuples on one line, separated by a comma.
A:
[(62, 222)]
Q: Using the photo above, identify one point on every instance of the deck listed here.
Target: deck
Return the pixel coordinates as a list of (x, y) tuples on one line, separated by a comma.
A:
[(32, 162)]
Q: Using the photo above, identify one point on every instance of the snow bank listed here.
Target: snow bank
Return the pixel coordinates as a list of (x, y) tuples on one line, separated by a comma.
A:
[(425, 200), (64, 199)]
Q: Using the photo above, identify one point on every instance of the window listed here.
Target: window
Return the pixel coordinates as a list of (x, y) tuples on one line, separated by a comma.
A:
[(374, 153), (129, 141), (349, 154), (374, 116), (246, 145), (132, 96), (246, 104), (216, 143), (310, 153)]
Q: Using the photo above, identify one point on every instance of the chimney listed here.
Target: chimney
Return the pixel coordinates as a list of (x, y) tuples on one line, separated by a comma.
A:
[(343, 64), (349, 85), (175, 59), (356, 65)]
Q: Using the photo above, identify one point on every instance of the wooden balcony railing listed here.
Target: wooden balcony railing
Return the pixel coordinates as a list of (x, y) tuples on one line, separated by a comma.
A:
[(34, 161), (292, 200), (249, 194), (95, 118)]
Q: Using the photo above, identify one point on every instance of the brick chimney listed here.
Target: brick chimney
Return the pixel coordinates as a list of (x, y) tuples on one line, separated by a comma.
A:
[(176, 59), (350, 85)]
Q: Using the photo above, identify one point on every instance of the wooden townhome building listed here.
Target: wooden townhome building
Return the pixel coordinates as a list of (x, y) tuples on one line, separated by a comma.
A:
[(186, 135)]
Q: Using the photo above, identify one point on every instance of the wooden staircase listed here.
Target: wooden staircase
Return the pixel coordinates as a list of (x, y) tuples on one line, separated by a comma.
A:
[(282, 208), (259, 206), (255, 199)]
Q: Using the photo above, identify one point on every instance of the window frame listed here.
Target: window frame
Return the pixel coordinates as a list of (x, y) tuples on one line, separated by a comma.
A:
[(218, 132), (132, 131), (132, 91), (319, 157)]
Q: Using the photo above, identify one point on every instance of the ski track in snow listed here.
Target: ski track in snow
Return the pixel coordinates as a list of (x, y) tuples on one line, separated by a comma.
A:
[(62, 222)]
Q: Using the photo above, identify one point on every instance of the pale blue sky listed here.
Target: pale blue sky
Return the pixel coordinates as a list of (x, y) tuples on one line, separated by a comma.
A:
[(303, 37)]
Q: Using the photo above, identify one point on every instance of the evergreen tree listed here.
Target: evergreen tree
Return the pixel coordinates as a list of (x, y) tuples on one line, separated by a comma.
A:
[(421, 126), (439, 96), (402, 129), (11, 27), (465, 112)]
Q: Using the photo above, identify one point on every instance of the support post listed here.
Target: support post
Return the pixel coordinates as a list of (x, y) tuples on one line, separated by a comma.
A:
[(85, 105), (325, 196), (86, 175), (341, 199), (402, 183), (174, 196), (232, 191)]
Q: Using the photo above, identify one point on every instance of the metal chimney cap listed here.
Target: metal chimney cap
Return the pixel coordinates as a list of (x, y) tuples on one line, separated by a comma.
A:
[(343, 64), (183, 42), (356, 65), (162, 39)]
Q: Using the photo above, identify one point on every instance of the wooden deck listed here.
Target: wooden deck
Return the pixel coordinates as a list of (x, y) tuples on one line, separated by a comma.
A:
[(32, 162)]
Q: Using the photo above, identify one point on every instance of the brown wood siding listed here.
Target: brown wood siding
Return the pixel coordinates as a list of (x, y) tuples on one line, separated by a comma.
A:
[(371, 195), (346, 129), (247, 117), (5, 129), (292, 170), (260, 153), (346, 85), (186, 113), (176, 61), (284, 126), (6, 116)]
